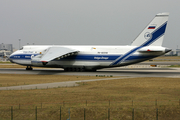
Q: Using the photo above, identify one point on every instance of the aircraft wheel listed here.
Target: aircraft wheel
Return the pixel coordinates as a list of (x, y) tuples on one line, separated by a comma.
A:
[(74, 69), (78, 69), (66, 69), (92, 70), (29, 68)]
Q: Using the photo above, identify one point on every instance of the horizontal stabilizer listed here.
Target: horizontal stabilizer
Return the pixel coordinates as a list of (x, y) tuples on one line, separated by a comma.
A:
[(151, 49)]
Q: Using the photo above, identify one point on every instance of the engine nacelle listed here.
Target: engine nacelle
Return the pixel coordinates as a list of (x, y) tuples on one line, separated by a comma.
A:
[(35, 61)]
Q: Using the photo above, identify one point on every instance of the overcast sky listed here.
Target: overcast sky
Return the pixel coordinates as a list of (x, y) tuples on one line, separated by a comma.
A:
[(84, 22)]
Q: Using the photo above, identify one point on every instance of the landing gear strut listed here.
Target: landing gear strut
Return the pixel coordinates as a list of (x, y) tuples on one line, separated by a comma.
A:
[(69, 69), (29, 68), (80, 69)]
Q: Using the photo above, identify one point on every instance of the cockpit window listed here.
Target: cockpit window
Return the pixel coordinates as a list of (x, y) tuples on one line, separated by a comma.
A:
[(21, 48)]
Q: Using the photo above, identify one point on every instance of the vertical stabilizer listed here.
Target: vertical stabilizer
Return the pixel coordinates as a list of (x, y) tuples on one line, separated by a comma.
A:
[(153, 34)]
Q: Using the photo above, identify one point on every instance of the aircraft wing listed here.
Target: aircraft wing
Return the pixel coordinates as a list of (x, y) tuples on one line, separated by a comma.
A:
[(57, 52)]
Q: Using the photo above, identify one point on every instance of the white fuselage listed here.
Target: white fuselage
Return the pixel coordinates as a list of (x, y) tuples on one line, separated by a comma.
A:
[(89, 57), (147, 45)]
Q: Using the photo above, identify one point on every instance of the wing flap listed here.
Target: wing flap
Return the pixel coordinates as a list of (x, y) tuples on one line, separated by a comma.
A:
[(57, 52)]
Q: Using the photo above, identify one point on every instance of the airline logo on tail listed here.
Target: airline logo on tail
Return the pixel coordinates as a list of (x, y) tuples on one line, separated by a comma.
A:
[(152, 37), (147, 37), (155, 35)]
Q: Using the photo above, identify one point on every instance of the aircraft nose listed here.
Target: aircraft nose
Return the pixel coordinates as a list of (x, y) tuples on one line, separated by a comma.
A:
[(167, 50), (10, 58)]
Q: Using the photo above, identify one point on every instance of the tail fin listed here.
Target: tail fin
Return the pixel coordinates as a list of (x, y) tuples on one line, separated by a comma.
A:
[(153, 34)]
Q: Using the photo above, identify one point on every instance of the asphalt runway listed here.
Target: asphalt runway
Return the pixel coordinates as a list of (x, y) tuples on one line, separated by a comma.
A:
[(121, 72), (131, 72), (159, 63)]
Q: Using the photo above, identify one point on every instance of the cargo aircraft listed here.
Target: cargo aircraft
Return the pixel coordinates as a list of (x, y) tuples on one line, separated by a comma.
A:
[(147, 45)]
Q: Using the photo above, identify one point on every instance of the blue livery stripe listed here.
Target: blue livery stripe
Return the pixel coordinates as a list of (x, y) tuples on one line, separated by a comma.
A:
[(22, 56), (155, 35), (92, 57), (87, 57), (125, 56)]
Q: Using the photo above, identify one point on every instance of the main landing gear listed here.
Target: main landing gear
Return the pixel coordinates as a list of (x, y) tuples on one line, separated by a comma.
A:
[(73, 69), (69, 69), (29, 68)]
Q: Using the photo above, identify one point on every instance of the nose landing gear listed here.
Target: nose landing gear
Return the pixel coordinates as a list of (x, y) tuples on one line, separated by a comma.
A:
[(29, 68)]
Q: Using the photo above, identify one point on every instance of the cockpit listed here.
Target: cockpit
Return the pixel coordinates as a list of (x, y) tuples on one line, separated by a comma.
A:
[(21, 48)]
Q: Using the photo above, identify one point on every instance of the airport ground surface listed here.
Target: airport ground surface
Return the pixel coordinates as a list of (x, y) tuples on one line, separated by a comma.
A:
[(133, 72), (115, 72), (160, 69), (143, 88)]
